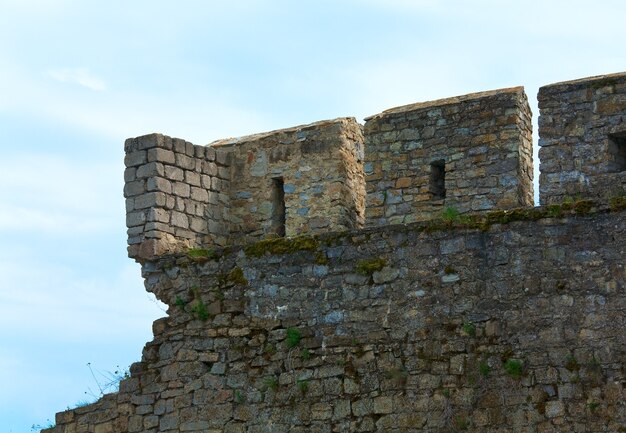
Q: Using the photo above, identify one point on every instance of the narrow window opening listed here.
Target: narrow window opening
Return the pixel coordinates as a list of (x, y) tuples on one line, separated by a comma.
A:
[(617, 152), (437, 186), (278, 206)]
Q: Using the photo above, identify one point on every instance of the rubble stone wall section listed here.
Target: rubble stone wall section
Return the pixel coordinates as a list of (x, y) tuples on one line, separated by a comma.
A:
[(177, 195), (517, 327), (320, 172), (479, 145), (582, 139)]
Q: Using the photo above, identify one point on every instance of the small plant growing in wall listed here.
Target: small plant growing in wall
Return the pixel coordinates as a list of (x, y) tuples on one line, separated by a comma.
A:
[(199, 310), (461, 423), (469, 329), (269, 349), (450, 214), (593, 406), (484, 369), (180, 302), (293, 337), (571, 363), (106, 381), (514, 368), (305, 354), (303, 386), (271, 383), (399, 375), (239, 397), (38, 427)]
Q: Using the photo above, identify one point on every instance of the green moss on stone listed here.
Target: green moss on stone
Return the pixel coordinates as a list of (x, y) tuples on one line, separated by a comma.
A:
[(320, 258), (618, 203), (583, 207), (368, 267), (604, 82), (281, 246), (201, 255), (236, 276), (449, 270)]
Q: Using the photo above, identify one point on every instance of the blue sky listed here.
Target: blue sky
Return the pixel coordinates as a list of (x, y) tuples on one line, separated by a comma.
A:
[(78, 77)]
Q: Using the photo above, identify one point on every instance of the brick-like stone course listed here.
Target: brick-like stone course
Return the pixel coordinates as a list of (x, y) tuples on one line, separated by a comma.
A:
[(582, 139), (483, 142), (515, 328), (176, 196)]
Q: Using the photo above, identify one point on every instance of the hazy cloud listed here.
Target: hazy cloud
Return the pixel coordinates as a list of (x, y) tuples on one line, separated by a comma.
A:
[(80, 76)]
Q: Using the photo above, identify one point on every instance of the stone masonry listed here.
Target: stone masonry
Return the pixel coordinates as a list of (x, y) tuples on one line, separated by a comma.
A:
[(306, 179), (471, 152), (487, 319), (582, 134), (176, 195), (319, 169), (512, 328)]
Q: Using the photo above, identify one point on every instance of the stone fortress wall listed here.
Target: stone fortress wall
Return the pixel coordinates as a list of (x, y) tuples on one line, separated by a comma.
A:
[(298, 180), (497, 317), (582, 135), (472, 152)]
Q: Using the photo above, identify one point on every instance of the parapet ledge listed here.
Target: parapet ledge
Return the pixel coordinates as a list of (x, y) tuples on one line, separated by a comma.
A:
[(581, 83), (519, 91), (233, 141)]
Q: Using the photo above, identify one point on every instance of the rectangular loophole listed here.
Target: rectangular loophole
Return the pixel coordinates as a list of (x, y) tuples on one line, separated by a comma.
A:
[(278, 206), (437, 184), (617, 152)]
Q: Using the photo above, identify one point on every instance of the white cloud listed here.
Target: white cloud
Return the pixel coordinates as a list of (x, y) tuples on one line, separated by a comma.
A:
[(80, 76), (60, 195), (57, 304)]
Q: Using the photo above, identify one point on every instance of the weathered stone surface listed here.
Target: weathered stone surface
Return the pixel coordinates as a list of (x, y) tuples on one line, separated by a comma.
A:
[(471, 152), (582, 137), (513, 322), (518, 343), (320, 175)]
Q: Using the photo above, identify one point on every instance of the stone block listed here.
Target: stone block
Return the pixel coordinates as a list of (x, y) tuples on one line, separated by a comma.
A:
[(134, 159), (135, 219), (192, 178), (134, 188), (150, 169), (159, 184), (173, 173), (161, 155), (181, 189), (150, 199), (199, 194), (185, 162)]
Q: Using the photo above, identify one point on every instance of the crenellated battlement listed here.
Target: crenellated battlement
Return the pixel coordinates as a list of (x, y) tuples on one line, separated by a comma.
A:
[(472, 153), (505, 320), (582, 138)]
